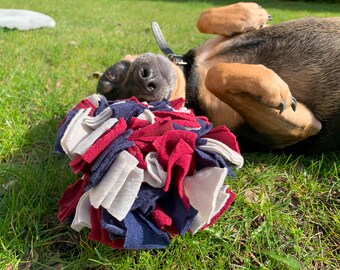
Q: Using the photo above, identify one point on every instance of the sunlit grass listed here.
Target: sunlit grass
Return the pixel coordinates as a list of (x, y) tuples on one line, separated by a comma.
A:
[(286, 214)]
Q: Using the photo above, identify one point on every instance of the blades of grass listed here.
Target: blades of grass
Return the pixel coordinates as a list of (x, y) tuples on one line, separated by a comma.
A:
[(287, 260)]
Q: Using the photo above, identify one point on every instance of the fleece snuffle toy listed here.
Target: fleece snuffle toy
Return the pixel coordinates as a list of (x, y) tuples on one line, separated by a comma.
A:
[(148, 171)]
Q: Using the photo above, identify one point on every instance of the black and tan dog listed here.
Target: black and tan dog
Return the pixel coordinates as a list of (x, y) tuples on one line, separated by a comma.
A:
[(275, 87)]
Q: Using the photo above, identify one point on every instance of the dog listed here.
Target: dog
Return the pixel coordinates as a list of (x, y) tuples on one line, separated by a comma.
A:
[(275, 87)]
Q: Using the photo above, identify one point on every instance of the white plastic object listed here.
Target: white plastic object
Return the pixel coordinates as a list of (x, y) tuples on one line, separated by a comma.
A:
[(24, 19)]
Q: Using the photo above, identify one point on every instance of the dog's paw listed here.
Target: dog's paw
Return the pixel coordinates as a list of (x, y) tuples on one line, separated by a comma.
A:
[(275, 92), (250, 16), (233, 19), (257, 81)]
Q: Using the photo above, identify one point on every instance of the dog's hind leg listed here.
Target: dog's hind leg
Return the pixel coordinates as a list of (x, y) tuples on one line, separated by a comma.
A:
[(233, 19), (264, 101)]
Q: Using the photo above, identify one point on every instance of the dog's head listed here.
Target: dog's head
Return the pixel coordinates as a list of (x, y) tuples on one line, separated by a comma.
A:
[(148, 77)]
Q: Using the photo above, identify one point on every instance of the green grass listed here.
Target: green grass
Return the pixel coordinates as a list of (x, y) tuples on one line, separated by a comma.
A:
[(286, 215)]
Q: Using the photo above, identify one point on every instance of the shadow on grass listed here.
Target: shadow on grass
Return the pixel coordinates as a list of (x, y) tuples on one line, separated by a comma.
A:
[(31, 183)]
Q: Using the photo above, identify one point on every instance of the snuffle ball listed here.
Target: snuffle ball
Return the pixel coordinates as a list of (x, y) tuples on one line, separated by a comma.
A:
[(148, 171)]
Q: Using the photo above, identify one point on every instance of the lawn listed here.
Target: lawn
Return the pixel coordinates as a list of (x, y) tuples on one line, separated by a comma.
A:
[(286, 214)]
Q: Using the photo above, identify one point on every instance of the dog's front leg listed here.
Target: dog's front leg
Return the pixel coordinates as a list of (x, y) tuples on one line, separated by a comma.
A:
[(233, 19), (264, 101)]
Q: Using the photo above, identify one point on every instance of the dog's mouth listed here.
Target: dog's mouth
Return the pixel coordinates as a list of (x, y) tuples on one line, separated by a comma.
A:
[(150, 77)]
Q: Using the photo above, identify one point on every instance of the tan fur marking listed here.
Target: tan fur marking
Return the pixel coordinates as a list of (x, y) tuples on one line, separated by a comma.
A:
[(210, 49), (129, 57), (179, 89)]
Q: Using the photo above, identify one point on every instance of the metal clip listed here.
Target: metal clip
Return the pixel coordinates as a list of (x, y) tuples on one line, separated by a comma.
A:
[(176, 59)]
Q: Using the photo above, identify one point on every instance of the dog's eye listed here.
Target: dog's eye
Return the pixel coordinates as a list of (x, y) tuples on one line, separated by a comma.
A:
[(111, 75), (117, 72)]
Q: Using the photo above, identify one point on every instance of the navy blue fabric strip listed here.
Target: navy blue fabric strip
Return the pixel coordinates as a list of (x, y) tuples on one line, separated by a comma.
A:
[(174, 208)]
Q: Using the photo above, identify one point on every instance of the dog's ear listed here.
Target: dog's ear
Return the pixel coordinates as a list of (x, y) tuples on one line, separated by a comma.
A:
[(129, 58)]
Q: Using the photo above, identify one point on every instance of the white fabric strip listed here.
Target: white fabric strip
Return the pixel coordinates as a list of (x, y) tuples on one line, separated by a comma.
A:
[(199, 221), (155, 176), (82, 216), (118, 189), (148, 116), (95, 122), (126, 196), (95, 98), (203, 189), (65, 137), (225, 151), (220, 202), (181, 110), (130, 163), (113, 180), (84, 145), (75, 132)]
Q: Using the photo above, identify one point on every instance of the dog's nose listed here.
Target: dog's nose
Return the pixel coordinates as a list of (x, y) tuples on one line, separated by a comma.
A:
[(146, 77)]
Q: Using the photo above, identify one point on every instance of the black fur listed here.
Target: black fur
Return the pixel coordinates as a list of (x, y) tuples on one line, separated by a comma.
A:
[(192, 83)]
